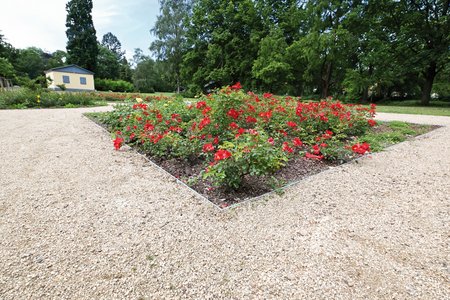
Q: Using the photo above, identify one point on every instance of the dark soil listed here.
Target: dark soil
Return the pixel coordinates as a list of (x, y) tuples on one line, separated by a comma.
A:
[(189, 171)]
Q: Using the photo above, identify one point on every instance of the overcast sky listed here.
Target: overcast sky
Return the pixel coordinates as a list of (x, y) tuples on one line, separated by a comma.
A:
[(41, 23)]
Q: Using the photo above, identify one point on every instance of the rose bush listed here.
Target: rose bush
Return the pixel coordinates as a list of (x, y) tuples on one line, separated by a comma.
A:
[(239, 134)]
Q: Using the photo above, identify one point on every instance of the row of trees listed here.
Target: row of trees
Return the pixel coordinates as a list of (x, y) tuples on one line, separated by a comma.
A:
[(327, 47), (23, 65), (358, 48)]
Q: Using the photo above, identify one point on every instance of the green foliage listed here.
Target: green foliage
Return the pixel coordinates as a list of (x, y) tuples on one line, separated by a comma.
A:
[(28, 98), (56, 59), (170, 30), (108, 64), (250, 155), (113, 85), (30, 62), (112, 43), (62, 86), (271, 67), (150, 76), (82, 48), (225, 41), (6, 68), (361, 50)]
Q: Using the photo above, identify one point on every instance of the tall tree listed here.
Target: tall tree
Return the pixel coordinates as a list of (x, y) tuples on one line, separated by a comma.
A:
[(82, 47), (7, 50), (57, 59), (138, 56), (424, 39), (271, 67), (170, 30), (108, 65), (30, 62), (111, 42), (225, 39)]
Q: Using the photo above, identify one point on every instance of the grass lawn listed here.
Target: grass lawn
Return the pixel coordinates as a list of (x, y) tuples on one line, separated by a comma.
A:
[(436, 108), (415, 110)]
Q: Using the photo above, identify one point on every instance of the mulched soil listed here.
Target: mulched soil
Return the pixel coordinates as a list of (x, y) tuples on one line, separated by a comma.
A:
[(188, 171)]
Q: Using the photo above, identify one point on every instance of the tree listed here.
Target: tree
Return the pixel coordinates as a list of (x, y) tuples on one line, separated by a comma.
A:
[(138, 56), (30, 62), (225, 39), (150, 76), (82, 47), (271, 67), (7, 50), (424, 39), (111, 42), (6, 68), (57, 59), (170, 30), (108, 66)]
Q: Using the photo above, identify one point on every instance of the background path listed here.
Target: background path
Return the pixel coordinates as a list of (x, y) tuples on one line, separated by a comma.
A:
[(79, 220)]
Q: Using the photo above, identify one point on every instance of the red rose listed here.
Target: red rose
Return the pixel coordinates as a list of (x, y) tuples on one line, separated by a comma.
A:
[(250, 120), (208, 147), (297, 142), (236, 86), (222, 154), (313, 156), (118, 143), (291, 124), (201, 104), (233, 113), (287, 148)]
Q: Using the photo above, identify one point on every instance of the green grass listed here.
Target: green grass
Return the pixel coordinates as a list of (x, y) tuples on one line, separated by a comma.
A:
[(415, 110), (436, 108), (390, 133)]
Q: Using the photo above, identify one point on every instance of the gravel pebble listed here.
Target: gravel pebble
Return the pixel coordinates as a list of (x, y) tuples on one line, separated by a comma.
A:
[(79, 220)]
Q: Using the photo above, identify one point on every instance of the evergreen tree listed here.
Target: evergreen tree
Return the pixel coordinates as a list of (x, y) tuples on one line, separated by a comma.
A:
[(82, 47)]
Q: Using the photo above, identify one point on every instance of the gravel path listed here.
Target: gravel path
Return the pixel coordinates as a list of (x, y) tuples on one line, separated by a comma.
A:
[(79, 220)]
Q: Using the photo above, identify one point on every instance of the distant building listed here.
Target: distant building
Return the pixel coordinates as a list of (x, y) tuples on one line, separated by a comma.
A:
[(72, 77)]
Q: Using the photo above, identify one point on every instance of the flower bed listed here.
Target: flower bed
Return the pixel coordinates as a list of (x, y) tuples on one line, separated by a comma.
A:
[(27, 98), (232, 145)]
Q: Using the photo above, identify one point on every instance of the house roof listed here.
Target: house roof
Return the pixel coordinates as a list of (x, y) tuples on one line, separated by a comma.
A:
[(70, 69)]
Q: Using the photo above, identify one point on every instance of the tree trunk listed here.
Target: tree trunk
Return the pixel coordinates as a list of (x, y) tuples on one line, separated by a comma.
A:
[(366, 88), (178, 83), (429, 74), (326, 80)]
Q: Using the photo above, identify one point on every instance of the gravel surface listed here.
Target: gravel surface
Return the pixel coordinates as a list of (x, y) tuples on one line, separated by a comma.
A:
[(79, 220)]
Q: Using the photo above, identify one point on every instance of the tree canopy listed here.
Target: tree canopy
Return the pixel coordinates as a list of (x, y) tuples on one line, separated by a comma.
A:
[(354, 49)]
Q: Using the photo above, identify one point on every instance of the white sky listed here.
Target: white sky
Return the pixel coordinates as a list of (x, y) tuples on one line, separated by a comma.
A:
[(41, 23)]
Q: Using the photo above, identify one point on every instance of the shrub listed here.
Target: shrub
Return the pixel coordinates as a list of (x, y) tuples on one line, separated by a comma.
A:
[(239, 134), (113, 85)]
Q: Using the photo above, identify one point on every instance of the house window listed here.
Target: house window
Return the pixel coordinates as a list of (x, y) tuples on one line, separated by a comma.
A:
[(66, 79), (83, 80)]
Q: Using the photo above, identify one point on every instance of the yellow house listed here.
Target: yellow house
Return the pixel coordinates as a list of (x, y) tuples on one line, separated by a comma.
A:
[(73, 77)]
